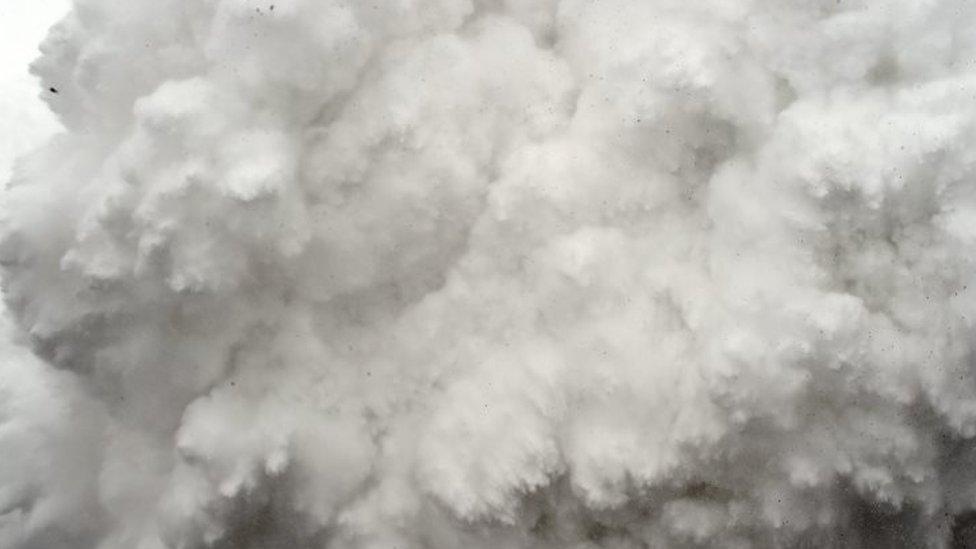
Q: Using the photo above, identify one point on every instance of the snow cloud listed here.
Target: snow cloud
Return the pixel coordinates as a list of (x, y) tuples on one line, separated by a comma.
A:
[(495, 274)]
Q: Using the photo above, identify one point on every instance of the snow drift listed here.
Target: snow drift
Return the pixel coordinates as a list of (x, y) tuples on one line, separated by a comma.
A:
[(495, 273)]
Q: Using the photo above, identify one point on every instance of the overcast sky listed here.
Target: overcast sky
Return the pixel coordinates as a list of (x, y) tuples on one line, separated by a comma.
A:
[(23, 24)]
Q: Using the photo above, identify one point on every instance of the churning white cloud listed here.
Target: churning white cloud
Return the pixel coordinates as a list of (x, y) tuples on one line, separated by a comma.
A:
[(495, 273)]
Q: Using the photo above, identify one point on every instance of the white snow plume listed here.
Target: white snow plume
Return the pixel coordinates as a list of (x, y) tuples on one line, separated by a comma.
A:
[(496, 274)]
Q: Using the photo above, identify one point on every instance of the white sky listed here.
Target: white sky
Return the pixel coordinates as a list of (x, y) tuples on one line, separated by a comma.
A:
[(25, 119)]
